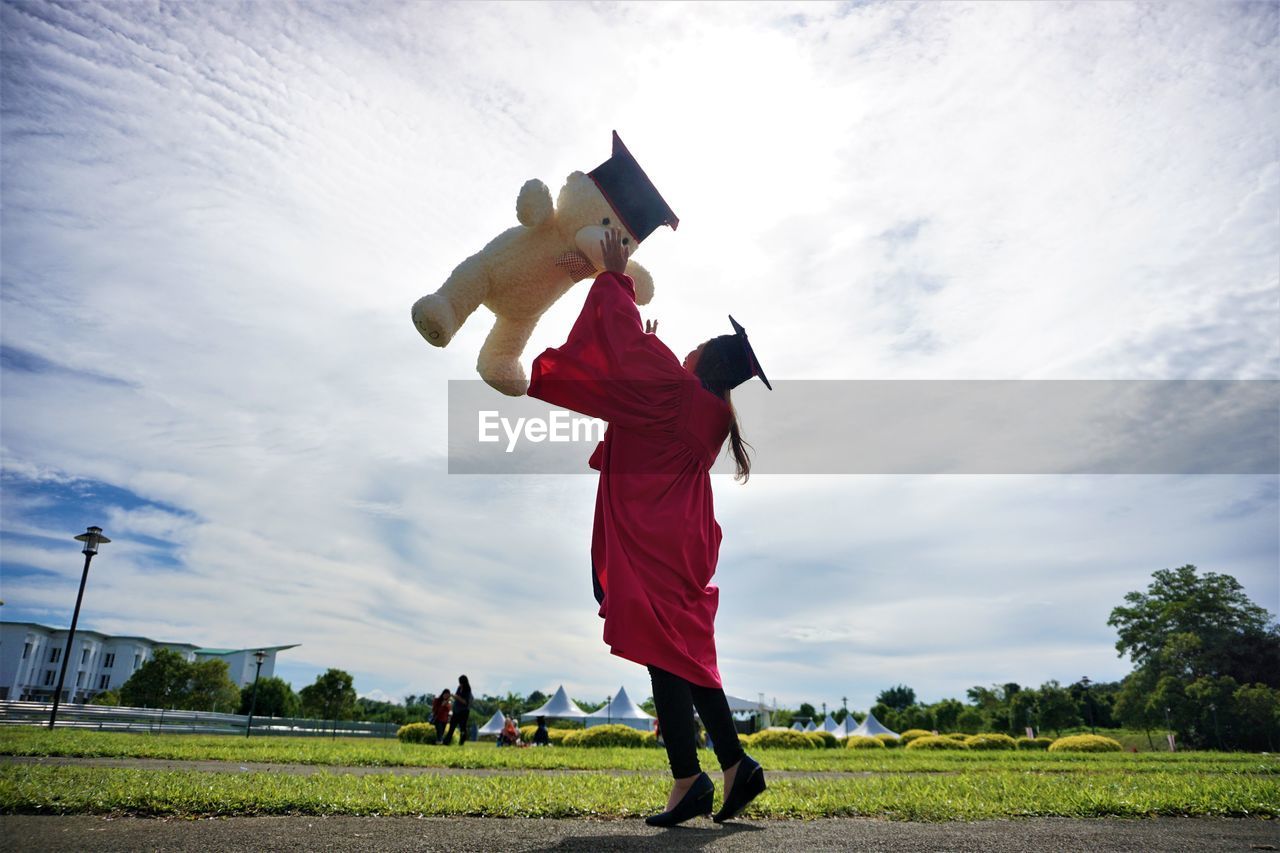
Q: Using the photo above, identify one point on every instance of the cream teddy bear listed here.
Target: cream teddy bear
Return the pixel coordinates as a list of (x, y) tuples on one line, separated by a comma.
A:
[(525, 269)]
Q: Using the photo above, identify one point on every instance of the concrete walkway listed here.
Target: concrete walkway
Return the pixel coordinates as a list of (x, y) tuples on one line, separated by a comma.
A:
[(379, 834)]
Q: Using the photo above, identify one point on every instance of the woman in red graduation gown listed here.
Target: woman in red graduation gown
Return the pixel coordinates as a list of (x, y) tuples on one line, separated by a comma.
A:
[(655, 540)]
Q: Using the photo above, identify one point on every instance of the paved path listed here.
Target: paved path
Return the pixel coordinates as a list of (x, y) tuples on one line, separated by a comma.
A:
[(379, 834)]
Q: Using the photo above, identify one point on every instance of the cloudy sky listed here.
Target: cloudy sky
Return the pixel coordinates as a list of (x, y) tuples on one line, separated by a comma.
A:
[(216, 216)]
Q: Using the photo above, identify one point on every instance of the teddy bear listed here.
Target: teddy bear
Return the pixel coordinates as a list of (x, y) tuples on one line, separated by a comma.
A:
[(525, 269)]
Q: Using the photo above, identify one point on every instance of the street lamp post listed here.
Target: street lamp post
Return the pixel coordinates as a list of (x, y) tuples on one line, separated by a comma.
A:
[(91, 538), (260, 655), (608, 709), (1088, 701)]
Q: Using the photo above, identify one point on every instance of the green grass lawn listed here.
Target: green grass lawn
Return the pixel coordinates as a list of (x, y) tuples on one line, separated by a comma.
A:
[(365, 752), (903, 785)]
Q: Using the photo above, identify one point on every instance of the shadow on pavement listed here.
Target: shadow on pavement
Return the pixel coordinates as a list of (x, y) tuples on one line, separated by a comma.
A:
[(683, 837)]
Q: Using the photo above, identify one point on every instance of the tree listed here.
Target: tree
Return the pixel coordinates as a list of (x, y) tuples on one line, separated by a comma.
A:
[(1054, 707), (807, 711), (971, 720), (159, 683), (536, 699), (947, 714), (331, 697), (1233, 636), (275, 698), (1133, 705), (898, 698), (1258, 707), (106, 697), (210, 688)]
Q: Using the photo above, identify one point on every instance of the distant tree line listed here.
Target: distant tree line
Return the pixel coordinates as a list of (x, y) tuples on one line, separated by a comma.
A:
[(1206, 667)]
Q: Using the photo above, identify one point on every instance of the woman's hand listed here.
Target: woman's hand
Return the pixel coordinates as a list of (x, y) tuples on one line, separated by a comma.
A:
[(651, 327), (615, 254)]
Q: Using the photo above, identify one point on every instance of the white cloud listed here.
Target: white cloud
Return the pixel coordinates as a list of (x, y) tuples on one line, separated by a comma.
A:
[(216, 219)]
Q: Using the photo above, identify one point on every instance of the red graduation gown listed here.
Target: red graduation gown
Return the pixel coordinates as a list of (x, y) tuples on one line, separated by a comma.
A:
[(656, 541)]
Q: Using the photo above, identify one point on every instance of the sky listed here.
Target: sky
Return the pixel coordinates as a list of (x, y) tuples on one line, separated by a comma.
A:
[(215, 217)]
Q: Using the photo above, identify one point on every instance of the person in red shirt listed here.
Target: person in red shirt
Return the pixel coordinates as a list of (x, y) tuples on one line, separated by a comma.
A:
[(440, 713), (656, 541)]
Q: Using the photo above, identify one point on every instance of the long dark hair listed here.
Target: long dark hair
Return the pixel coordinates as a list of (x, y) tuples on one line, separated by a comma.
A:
[(712, 369)]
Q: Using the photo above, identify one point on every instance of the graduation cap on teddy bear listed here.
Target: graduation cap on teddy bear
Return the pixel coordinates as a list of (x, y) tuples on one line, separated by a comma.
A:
[(631, 194)]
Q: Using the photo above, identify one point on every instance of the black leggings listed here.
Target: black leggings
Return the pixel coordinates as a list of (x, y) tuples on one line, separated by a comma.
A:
[(458, 722), (675, 700)]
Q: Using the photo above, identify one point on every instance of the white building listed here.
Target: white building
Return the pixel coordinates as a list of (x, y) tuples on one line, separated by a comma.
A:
[(31, 655)]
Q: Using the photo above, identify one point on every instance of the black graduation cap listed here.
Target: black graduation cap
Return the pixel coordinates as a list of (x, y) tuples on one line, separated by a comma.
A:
[(746, 365), (631, 194)]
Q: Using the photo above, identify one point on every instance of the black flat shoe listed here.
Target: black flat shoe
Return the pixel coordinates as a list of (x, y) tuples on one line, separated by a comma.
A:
[(748, 783), (697, 801)]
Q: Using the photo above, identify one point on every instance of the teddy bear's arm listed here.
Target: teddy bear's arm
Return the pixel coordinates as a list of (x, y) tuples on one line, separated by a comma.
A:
[(533, 205)]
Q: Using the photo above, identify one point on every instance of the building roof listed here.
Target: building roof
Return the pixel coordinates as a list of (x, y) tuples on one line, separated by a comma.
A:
[(250, 649), (197, 649)]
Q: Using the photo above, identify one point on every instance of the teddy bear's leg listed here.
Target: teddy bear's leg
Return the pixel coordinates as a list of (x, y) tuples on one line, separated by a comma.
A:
[(439, 315), (499, 362)]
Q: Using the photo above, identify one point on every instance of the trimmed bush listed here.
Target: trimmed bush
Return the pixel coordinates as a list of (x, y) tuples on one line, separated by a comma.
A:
[(1034, 742), (911, 734), (1085, 743), (991, 741), (889, 740), (785, 739), (826, 740), (932, 742), (615, 734), (649, 740), (417, 733), (958, 736), (556, 736), (859, 742)]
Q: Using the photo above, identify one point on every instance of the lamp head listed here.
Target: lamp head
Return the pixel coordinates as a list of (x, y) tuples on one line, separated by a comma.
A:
[(260, 655), (92, 538)]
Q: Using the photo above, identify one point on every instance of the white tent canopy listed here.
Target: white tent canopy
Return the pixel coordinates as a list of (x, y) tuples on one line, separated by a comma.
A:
[(621, 710), (830, 725), (495, 724), (811, 727), (559, 706), (871, 727), (798, 726)]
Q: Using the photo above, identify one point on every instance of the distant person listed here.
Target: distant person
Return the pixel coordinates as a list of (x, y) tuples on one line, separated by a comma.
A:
[(440, 713), (656, 542), (540, 736), (510, 734), (461, 711)]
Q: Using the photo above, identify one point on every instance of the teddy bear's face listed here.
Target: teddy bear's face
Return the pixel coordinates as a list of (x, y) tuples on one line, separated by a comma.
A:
[(585, 216)]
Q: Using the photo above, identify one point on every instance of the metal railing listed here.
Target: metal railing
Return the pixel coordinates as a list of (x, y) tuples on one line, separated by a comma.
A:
[(155, 720)]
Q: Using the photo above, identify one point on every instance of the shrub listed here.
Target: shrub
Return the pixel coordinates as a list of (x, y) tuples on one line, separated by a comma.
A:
[(825, 740), (911, 734), (1085, 743), (417, 733), (650, 740), (1034, 742), (889, 740), (932, 742), (961, 736), (614, 734), (556, 736), (781, 739), (991, 741), (859, 742)]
